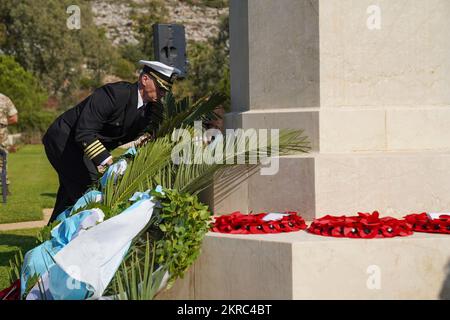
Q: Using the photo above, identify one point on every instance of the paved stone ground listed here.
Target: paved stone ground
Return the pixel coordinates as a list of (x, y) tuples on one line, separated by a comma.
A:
[(29, 224)]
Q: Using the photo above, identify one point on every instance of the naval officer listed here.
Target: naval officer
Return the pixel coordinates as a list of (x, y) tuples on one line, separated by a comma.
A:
[(78, 143)]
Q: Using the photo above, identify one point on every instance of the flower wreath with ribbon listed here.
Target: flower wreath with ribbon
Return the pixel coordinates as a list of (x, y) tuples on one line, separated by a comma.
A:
[(422, 222), (238, 223), (365, 225)]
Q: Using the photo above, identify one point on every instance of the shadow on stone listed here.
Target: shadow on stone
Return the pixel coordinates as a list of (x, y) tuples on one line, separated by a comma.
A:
[(226, 181), (445, 291), (229, 178)]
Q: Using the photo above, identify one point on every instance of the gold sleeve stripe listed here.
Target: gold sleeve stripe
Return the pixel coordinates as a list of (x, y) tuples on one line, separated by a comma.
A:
[(94, 144), (99, 148), (97, 153), (92, 150)]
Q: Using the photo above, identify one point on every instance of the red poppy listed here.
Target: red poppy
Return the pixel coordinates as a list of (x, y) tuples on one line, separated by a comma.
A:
[(269, 228), (388, 230), (337, 231), (350, 231), (364, 225), (238, 223), (423, 223), (368, 232)]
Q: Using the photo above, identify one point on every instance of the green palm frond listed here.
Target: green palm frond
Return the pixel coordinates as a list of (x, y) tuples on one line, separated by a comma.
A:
[(136, 278), (15, 266), (204, 109), (194, 178), (149, 161), (172, 107), (153, 165), (181, 114)]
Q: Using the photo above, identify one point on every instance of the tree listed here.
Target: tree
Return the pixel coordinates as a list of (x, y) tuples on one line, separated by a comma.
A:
[(145, 16), (26, 94), (208, 68), (20, 85), (36, 34)]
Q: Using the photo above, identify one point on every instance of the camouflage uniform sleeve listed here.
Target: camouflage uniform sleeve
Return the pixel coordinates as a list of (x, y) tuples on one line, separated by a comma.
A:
[(5, 105), (7, 108), (11, 109), (4, 101)]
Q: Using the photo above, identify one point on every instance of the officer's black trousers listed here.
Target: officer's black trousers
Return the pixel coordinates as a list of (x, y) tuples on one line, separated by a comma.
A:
[(76, 173)]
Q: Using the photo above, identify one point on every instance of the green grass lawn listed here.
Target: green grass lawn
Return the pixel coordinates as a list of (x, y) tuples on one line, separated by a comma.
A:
[(34, 184), (10, 243)]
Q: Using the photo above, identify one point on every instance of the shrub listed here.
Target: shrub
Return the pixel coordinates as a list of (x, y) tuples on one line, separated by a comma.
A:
[(20, 86), (35, 32), (34, 123), (27, 95), (124, 69)]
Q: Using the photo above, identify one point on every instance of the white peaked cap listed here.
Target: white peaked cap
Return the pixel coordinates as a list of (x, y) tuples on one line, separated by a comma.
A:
[(160, 67)]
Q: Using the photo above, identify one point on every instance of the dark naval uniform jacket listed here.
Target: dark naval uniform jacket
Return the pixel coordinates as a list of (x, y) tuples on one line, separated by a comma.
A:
[(103, 121), (81, 138)]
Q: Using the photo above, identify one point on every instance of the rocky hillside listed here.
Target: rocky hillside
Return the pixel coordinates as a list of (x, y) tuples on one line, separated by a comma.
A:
[(200, 22)]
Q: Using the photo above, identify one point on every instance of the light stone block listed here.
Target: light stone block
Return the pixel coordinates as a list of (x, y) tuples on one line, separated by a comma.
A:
[(182, 289), (418, 129), (375, 104), (396, 184), (231, 268), (291, 189), (230, 190), (249, 191), (299, 265), (404, 63), (239, 58), (354, 130), (413, 267), (282, 53), (232, 120), (306, 119), (317, 184)]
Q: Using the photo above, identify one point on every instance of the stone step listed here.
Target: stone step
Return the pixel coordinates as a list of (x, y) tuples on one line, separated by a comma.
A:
[(299, 265), (316, 184)]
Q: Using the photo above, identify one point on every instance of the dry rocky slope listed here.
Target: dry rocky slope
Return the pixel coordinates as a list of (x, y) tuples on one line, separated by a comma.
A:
[(200, 22)]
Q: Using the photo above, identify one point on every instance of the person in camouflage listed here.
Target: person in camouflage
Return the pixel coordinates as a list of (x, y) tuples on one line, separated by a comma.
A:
[(8, 115)]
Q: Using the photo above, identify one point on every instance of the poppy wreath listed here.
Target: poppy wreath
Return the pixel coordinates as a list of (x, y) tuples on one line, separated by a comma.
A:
[(421, 222), (365, 225), (238, 223)]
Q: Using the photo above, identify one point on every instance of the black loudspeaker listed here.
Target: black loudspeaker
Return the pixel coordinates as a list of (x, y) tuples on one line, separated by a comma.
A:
[(169, 44)]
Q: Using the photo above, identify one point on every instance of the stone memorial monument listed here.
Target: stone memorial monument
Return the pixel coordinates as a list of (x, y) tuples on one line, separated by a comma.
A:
[(369, 82)]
